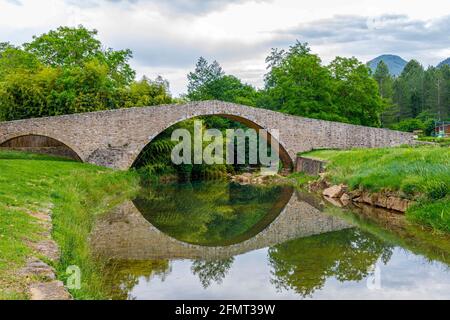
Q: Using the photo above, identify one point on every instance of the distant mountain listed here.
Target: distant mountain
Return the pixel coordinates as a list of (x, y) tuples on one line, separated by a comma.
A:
[(394, 63), (446, 61)]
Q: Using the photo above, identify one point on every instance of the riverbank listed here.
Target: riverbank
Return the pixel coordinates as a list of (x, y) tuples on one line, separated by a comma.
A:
[(73, 193), (33, 187), (417, 174)]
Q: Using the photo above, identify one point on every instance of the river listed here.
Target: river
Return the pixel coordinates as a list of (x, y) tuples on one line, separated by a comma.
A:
[(219, 240)]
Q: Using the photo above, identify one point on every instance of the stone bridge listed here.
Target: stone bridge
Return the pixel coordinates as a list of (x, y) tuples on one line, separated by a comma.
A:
[(115, 138), (125, 234)]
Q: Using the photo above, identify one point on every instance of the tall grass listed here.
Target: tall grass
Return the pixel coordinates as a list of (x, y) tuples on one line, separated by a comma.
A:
[(78, 200), (77, 193), (418, 173)]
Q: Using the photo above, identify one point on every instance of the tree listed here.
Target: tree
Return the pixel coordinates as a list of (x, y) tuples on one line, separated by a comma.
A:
[(432, 90), (14, 59), (386, 89), (83, 88), (148, 92), (67, 71), (444, 106), (298, 84), (21, 97), (209, 82), (71, 47), (384, 80), (419, 97), (436, 91), (226, 88), (55, 91), (355, 92), (203, 74), (409, 90)]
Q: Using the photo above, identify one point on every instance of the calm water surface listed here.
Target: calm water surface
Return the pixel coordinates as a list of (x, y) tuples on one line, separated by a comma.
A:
[(227, 241)]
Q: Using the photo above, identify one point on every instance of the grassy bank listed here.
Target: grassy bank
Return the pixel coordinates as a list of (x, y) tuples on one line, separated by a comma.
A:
[(444, 142), (418, 173), (76, 192)]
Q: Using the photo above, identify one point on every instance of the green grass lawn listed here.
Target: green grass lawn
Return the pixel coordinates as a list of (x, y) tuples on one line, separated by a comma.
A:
[(301, 179), (419, 173), (75, 191)]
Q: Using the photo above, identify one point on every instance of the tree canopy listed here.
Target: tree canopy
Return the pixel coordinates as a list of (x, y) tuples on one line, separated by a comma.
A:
[(209, 82), (416, 98), (67, 71), (355, 92), (298, 83), (346, 90)]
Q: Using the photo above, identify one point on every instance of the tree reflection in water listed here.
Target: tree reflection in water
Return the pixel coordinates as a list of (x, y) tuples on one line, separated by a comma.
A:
[(122, 276), (305, 264), (212, 214), (211, 271)]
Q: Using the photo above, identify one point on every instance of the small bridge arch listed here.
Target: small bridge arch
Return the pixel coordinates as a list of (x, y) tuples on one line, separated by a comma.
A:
[(39, 143)]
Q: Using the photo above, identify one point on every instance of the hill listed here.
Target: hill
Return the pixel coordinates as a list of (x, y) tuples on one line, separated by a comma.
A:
[(394, 63), (446, 61)]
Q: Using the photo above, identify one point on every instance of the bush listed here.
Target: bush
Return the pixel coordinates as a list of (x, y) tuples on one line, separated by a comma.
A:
[(409, 125)]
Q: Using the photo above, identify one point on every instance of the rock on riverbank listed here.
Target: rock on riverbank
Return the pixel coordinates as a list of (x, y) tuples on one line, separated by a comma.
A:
[(248, 178), (341, 196)]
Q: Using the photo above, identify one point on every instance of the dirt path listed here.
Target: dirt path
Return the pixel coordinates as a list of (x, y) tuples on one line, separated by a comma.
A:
[(40, 276)]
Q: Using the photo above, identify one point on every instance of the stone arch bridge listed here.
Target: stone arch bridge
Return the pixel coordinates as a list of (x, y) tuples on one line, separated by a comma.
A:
[(115, 138)]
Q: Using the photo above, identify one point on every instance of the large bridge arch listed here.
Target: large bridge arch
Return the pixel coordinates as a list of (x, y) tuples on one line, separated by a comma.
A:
[(114, 138), (286, 160)]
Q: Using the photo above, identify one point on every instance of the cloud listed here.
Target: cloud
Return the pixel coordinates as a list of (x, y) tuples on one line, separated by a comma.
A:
[(159, 45), (359, 35), (348, 35), (16, 2), (185, 7), (169, 36), (165, 51)]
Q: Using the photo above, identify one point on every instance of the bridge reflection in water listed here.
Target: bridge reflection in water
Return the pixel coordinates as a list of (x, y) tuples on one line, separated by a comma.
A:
[(197, 237), (226, 241), (125, 234)]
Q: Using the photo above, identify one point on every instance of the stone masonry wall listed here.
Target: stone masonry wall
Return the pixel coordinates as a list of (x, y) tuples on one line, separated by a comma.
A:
[(114, 138), (309, 166)]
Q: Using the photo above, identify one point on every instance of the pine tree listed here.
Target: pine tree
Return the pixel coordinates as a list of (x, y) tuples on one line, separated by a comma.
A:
[(384, 80), (409, 90), (203, 74)]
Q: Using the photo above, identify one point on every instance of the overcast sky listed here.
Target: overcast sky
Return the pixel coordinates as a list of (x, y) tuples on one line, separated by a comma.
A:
[(167, 37)]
